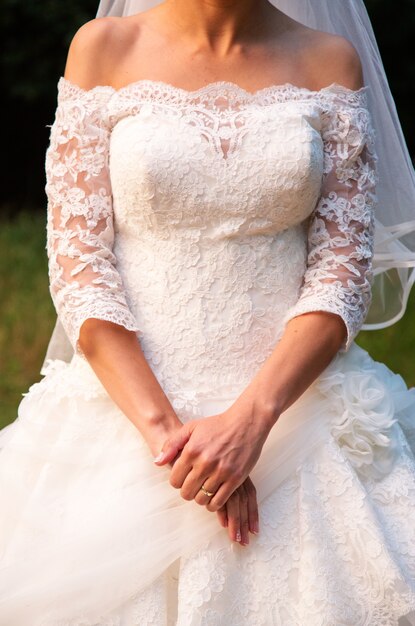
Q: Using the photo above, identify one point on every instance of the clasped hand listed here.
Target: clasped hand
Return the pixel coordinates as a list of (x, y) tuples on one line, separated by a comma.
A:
[(218, 452)]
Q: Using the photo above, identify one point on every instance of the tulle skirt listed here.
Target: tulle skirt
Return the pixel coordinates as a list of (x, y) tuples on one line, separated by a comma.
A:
[(93, 534)]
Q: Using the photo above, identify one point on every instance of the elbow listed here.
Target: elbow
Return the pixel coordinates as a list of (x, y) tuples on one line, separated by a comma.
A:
[(90, 336), (338, 331), (94, 333)]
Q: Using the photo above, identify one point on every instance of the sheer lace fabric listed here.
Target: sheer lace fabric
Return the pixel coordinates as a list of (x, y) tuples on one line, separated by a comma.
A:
[(325, 134), (84, 282), (341, 232)]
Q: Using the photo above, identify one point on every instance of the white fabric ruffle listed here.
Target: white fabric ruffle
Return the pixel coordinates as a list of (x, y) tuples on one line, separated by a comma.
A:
[(85, 502)]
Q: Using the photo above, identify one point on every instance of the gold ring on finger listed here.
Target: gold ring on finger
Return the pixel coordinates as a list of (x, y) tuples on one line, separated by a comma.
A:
[(206, 492)]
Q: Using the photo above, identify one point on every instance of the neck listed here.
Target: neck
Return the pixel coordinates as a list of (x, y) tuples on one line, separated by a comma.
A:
[(218, 24)]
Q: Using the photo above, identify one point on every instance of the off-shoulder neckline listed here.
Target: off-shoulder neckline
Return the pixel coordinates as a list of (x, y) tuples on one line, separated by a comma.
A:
[(214, 86)]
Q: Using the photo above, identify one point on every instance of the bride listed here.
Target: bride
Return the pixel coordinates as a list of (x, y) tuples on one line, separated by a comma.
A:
[(229, 199)]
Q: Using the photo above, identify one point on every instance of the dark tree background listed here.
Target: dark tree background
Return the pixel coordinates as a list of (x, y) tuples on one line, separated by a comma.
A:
[(35, 38)]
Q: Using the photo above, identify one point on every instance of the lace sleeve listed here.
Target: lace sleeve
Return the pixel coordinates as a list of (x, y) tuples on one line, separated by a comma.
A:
[(84, 281), (341, 229)]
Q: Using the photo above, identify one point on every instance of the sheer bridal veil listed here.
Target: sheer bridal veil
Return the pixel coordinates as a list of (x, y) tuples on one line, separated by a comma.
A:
[(394, 259)]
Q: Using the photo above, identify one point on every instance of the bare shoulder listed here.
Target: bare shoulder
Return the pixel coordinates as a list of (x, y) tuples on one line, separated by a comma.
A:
[(96, 48), (332, 59)]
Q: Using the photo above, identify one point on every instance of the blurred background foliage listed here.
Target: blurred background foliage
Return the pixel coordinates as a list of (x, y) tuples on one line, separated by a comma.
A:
[(35, 38)]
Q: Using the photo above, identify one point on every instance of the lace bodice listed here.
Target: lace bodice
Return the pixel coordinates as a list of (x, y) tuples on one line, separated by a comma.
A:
[(205, 220)]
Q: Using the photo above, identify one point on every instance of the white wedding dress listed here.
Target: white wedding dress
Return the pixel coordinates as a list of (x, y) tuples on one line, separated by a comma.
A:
[(204, 221)]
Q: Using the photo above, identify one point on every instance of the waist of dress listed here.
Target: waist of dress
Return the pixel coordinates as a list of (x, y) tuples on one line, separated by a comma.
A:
[(188, 261), (211, 314)]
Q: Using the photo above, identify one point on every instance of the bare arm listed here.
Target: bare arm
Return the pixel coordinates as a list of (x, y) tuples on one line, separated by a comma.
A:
[(85, 284), (116, 357), (309, 343)]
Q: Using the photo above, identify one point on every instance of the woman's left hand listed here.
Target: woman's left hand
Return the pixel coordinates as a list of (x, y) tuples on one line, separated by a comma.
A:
[(217, 452)]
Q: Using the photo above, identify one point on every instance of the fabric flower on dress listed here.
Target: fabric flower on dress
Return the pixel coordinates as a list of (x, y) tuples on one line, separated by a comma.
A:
[(365, 406)]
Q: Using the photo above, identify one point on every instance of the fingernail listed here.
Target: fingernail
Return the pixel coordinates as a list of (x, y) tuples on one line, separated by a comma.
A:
[(159, 457), (238, 536), (255, 528)]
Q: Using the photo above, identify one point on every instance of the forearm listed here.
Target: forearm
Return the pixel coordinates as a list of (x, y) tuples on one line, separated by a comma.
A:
[(308, 345), (116, 357)]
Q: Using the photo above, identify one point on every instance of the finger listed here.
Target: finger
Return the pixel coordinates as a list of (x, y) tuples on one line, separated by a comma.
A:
[(243, 513), (222, 495), (181, 472), (211, 485), (253, 514), (171, 464), (190, 472), (232, 509), (173, 445), (222, 516), (191, 486)]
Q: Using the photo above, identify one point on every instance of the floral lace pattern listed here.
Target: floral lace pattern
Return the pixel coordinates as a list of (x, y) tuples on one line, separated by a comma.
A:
[(83, 280), (226, 253), (341, 232)]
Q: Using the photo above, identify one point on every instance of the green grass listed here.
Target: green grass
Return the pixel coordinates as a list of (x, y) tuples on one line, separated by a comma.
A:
[(27, 316), (26, 310), (395, 345)]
